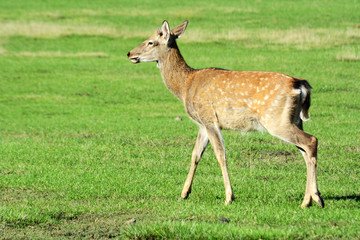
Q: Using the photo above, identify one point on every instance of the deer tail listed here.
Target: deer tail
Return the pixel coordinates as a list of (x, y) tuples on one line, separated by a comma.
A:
[(305, 90)]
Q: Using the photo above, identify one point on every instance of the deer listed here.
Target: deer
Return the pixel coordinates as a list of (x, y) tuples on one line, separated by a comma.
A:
[(217, 99)]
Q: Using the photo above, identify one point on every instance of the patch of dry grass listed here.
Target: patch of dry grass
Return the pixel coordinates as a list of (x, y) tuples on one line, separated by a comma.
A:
[(52, 30), (301, 38), (61, 54), (349, 54), (186, 11)]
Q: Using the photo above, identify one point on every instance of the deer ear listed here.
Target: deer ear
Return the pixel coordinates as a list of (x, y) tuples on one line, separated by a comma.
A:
[(180, 29), (165, 29)]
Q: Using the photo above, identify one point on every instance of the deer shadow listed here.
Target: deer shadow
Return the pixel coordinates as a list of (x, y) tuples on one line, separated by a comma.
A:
[(352, 197)]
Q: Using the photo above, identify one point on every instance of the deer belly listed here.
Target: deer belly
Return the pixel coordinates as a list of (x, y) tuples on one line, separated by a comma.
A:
[(226, 116), (242, 119)]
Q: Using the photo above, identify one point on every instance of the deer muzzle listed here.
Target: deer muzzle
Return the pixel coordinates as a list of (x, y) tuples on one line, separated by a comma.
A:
[(132, 58)]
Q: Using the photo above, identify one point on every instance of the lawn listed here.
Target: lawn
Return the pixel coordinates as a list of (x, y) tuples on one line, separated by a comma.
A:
[(89, 141)]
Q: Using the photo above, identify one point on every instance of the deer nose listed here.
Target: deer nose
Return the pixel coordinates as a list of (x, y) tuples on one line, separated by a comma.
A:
[(128, 54)]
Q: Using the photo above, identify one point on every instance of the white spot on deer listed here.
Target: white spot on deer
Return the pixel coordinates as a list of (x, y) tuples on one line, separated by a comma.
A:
[(277, 86), (266, 97), (275, 103), (271, 91), (232, 100)]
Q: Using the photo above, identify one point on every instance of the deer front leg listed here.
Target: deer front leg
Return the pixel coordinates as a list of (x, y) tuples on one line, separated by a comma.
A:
[(217, 143), (200, 146)]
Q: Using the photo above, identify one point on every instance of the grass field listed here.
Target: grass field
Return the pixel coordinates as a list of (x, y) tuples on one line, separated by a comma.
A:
[(89, 141)]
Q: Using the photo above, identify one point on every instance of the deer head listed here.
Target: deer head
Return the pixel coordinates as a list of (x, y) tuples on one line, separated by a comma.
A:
[(153, 49)]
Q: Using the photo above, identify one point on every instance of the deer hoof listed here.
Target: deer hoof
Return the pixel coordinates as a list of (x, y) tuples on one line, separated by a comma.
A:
[(308, 200), (306, 204), (317, 198), (229, 200), (185, 195)]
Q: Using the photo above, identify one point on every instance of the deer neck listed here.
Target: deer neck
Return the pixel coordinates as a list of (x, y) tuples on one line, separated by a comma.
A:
[(175, 72)]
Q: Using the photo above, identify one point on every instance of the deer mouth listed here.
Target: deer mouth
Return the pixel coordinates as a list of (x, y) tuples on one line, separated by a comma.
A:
[(135, 60)]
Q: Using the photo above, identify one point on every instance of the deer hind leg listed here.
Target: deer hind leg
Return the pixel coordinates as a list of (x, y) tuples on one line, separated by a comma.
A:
[(200, 146), (217, 143), (308, 147)]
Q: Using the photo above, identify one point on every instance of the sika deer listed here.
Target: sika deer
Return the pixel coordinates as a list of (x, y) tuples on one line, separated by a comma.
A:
[(238, 100)]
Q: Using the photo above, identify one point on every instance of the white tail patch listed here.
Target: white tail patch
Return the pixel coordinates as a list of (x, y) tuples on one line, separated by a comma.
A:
[(304, 94)]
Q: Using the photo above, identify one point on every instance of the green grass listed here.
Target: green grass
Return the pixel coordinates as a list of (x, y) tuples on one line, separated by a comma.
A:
[(88, 140)]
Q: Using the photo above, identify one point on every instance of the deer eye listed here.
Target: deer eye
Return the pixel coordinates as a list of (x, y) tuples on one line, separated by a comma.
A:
[(150, 43)]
